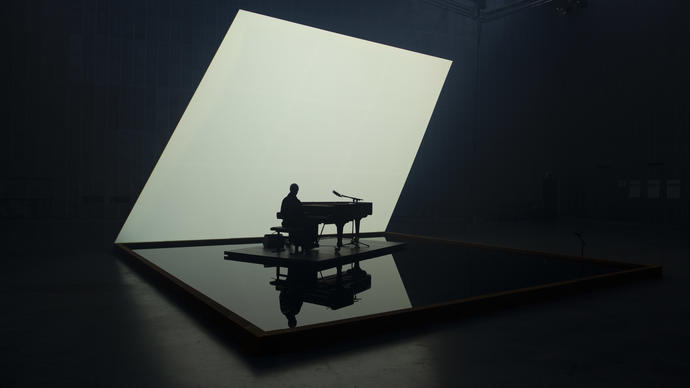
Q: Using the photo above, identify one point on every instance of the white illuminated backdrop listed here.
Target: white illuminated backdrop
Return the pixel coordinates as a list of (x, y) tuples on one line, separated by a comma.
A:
[(282, 103)]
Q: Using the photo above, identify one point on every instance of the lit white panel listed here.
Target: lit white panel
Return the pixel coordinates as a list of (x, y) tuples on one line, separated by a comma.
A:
[(283, 103)]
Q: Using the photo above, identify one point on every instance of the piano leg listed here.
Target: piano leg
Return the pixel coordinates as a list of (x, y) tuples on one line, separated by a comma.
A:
[(355, 238), (339, 226)]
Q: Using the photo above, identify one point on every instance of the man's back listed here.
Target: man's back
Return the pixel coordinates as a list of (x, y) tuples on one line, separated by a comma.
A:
[(291, 210)]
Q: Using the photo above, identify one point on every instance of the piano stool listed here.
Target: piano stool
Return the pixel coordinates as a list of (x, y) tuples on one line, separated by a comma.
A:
[(288, 230), (284, 229)]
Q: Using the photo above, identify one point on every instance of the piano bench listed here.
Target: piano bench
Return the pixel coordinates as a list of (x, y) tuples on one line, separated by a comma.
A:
[(285, 229)]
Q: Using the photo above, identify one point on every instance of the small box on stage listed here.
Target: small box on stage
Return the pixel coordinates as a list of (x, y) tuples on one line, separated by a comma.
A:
[(274, 241)]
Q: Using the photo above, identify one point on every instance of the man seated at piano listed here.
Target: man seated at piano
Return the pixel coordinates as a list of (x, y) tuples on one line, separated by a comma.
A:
[(305, 231)]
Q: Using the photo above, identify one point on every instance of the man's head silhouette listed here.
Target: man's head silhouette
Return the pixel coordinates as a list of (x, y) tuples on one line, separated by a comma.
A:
[(294, 188)]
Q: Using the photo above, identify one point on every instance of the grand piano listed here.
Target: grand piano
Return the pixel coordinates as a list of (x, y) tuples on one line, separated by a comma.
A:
[(338, 213)]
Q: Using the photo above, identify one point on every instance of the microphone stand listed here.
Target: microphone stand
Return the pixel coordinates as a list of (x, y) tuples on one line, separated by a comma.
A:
[(355, 240), (354, 199)]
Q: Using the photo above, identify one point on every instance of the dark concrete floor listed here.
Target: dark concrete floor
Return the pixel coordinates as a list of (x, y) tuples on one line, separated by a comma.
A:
[(80, 315)]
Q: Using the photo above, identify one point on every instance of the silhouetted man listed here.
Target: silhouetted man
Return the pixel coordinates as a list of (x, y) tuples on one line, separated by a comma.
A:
[(291, 208), (293, 217)]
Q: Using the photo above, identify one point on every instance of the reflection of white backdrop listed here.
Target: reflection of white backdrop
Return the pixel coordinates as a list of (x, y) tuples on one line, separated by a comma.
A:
[(281, 103)]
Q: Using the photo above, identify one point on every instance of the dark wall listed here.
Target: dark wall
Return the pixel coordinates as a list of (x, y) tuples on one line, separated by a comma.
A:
[(99, 87), (597, 98)]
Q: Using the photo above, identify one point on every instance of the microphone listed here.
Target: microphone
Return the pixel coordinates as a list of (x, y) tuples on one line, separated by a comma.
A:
[(337, 193)]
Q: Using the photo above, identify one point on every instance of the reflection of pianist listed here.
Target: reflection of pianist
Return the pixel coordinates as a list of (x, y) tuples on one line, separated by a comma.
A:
[(290, 305), (293, 217)]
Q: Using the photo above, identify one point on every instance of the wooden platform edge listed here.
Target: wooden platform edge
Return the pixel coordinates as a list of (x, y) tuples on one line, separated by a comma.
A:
[(270, 340), (236, 319), (477, 305)]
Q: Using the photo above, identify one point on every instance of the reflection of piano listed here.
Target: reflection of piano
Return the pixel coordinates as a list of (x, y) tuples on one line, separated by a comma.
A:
[(333, 291), (338, 213)]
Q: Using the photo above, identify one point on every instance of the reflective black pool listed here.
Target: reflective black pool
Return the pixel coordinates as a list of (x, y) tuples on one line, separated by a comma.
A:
[(422, 274)]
